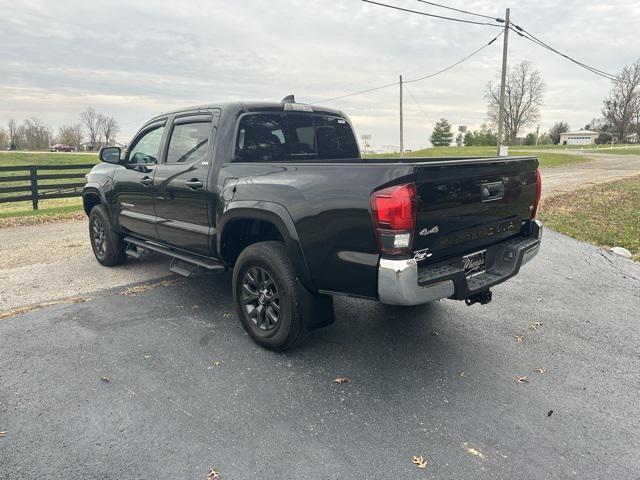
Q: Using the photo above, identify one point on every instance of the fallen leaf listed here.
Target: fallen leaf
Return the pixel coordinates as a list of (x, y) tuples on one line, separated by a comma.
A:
[(539, 370), (519, 338), (226, 315), (461, 373), (535, 326), (105, 379), (342, 380), (419, 461), (213, 473), (3, 434), (549, 413), (475, 452), (520, 379)]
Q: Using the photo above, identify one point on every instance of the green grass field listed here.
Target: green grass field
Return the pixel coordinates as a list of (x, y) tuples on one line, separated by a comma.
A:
[(46, 158), (587, 214), (547, 158)]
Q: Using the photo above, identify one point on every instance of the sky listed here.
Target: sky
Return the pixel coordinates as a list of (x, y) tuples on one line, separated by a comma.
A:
[(134, 59)]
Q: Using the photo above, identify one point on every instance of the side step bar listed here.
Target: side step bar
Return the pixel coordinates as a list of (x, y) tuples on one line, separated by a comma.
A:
[(181, 263)]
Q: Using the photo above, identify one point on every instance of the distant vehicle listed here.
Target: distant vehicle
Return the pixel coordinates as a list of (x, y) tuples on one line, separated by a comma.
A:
[(61, 147), (278, 193)]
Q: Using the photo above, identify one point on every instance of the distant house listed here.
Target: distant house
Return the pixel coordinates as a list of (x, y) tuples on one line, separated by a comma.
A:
[(581, 137)]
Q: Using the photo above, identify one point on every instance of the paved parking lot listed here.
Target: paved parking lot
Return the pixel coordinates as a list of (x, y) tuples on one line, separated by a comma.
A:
[(187, 390)]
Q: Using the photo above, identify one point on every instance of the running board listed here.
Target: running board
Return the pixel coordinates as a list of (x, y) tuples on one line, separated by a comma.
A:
[(182, 263)]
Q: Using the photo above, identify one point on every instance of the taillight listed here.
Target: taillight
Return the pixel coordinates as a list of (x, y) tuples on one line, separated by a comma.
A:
[(394, 218), (534, 211)]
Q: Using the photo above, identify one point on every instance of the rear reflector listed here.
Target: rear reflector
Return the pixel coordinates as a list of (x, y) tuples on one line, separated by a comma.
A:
[(394, 218), (534, 210)]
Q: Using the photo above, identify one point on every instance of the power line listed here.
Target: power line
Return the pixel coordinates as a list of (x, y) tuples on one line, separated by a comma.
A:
[(427, 117), (431, 14), (360, 92), (415, 79), (497, 19), (457, 63), (532, 38)]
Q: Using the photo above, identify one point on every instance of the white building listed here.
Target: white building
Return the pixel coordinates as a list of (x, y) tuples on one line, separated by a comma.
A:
[(581, 137)]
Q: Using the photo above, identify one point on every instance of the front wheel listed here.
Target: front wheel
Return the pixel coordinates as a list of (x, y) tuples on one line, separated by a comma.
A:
[(268, 296), (106, 243)]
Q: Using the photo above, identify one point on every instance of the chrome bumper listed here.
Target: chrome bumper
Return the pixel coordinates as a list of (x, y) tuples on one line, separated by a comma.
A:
[(399, 284)]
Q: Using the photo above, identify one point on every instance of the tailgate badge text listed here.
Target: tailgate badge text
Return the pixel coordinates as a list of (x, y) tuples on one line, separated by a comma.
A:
[(428, 231)]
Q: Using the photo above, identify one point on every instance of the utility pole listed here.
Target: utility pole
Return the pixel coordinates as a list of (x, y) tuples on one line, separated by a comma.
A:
[(503, 80), (401, 122), (537, 134)]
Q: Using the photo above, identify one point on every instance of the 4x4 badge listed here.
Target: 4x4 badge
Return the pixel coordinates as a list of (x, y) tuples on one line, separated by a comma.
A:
[(428, 231)]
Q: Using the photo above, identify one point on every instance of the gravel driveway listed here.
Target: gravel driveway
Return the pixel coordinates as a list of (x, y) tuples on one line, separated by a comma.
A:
[(166, 384)]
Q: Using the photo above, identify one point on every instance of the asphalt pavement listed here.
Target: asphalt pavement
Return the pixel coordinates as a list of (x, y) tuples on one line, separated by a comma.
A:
[(164, 383)]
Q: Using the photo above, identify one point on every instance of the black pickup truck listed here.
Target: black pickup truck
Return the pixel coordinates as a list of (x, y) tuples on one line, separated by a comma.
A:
[(278, 193)]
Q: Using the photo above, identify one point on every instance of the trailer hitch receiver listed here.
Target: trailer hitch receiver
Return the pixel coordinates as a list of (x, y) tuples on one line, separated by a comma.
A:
[(482, 298)]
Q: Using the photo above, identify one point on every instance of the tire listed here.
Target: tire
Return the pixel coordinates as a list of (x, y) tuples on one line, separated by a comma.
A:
[(106, 243), (268, 296)]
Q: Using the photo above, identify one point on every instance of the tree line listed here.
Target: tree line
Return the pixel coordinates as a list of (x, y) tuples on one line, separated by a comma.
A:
[(524, 95), (33, 134)]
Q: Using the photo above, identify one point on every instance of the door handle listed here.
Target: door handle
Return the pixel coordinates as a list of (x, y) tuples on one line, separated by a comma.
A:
[(194, 184), (146, 181)]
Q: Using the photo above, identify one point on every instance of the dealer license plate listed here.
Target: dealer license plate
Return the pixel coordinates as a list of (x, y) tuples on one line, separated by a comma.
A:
[(475, 263)]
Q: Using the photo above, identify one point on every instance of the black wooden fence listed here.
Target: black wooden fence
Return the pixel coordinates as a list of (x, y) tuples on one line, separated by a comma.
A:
[(41, 186)]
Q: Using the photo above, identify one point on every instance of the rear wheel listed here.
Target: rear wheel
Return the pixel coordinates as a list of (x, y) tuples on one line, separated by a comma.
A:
[(268, 296), (106, 243)]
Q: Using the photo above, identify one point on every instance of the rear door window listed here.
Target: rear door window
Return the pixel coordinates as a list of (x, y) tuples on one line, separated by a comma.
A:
[(188, 142)]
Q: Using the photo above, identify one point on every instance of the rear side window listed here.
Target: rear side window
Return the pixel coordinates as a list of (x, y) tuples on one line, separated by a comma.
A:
[(188, 142), (272, 137)]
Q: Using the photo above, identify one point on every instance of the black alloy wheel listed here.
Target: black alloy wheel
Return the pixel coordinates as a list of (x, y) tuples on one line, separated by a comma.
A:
[(261, 298), (99, 236)]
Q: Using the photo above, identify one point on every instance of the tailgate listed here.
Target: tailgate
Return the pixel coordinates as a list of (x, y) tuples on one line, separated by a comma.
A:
[(466, 205)]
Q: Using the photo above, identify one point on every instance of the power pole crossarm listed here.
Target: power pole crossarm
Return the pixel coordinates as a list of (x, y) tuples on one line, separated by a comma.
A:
[(503, 79)]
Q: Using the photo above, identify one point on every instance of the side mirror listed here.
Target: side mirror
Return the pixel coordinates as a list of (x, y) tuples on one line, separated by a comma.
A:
[(110, 154)]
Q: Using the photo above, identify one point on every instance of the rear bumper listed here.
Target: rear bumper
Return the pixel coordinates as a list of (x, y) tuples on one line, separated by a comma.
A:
[(403, 282)]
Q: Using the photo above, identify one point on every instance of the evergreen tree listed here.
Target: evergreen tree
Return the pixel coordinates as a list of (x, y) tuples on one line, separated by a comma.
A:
[(442, 135), (469, 139)]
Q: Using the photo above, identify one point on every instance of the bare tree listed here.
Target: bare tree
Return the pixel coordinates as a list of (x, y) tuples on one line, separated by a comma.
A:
[(4, 139), (558, 129), (110, 128), (35, 134), (91, 122), (621, 108), (523, 97), (13, 132), (596, 124), (70, 135)]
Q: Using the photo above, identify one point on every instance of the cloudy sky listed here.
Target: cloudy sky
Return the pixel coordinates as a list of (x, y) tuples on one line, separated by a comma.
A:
[(133, 59)]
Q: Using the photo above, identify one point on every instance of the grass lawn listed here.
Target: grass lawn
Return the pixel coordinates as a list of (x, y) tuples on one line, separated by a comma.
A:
[(607, 215), (547, 158), (20, 213), (46, 158)]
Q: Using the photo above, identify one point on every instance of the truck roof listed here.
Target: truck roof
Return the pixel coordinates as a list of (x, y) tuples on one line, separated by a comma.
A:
[(250, 107)]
